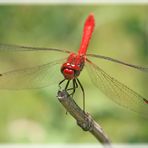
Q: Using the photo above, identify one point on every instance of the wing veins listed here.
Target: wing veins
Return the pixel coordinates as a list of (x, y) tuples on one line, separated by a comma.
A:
[(10, 47), (32, 77), (117, 91), (143, 69)]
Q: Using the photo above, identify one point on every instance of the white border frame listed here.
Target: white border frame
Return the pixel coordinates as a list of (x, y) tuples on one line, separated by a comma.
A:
[(74, 1)]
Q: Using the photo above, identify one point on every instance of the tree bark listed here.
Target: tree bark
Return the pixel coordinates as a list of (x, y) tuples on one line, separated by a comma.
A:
[(84, 120)]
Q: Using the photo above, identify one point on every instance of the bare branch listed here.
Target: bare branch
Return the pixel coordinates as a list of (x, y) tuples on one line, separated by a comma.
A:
[(84, 120)]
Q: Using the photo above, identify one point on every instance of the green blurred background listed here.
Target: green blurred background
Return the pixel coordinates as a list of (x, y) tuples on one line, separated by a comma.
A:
[(36, 116)]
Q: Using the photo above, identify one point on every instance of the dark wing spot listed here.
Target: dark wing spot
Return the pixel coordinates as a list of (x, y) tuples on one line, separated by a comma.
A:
[(0, 74), (146, 101)]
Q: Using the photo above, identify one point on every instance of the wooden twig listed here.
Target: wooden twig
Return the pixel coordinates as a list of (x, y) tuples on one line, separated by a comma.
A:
[(84, 120)]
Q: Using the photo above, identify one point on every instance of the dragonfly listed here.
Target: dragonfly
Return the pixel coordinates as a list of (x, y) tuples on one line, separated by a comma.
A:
[(42, 75)]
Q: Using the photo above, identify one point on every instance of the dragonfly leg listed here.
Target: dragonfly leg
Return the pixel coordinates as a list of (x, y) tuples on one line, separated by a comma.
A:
[(83, 93), (61, 83), (76, 83), (67, 84), (75, 86)]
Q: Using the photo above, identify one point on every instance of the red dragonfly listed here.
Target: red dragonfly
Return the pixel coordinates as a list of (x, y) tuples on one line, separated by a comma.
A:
[(42, 75)]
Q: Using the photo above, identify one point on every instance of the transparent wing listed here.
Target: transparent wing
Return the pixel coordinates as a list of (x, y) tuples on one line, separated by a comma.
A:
[(8, 47), (117, 91), (33, 77), (143, 69)]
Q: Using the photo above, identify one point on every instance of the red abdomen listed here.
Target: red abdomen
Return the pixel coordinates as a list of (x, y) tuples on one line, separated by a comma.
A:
[(87, 33), (75, 62)]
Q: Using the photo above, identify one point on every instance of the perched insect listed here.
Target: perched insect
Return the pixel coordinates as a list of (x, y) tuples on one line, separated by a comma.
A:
[(40, 76)]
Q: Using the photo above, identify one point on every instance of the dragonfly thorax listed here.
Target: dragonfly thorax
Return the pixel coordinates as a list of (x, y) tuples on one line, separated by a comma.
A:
[(73, 66)]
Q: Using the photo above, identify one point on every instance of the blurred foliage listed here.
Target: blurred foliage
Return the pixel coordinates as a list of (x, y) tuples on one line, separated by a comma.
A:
[(35, 116)]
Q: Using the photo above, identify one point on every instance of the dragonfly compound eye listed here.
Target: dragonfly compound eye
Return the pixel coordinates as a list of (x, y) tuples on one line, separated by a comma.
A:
[(68, 73)]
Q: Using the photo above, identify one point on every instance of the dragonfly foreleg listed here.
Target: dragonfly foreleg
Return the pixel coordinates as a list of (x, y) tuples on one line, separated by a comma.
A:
[(75, 84), (73, 88), (61, 83), (67, 84)]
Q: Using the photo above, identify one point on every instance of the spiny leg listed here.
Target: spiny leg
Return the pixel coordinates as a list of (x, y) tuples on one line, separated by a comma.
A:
[(67, 84), (61, 83), (83, 93), (73, 88)]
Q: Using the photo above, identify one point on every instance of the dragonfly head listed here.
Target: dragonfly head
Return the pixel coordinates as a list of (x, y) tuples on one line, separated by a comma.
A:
[(70, 71), (72, 68)]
